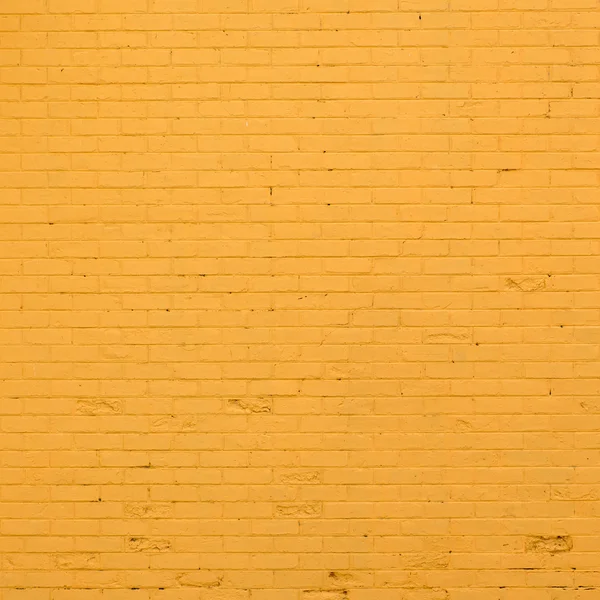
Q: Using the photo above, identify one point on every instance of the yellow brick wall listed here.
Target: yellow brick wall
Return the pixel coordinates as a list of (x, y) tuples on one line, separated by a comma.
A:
[(299, 299)]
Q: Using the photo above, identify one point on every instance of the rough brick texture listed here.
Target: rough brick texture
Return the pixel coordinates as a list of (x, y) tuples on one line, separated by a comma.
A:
[(300, 299)]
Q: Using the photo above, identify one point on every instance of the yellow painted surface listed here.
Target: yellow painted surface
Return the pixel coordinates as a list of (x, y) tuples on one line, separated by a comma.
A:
[(299, 300)]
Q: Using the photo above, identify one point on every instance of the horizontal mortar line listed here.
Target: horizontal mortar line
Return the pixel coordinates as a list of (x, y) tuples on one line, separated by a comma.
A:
[(121, 153), (169, 377), (241, 134), (278, 47), (300, 169), (310, 64), (330, 397), (306, 12), (283, 240), (411, 26), (198, 255), (316, 98), (246, 187), (67, 202)]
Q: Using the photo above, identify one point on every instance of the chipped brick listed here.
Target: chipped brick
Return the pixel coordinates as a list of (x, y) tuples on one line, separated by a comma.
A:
[(249, 405), (148, 544), (527, 284), (76, 561), (551, 544), (146, 510), (300, 477), (298, 509), (200, 579), (99, 406), (345, 579), (325, 595), (425, 560)]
